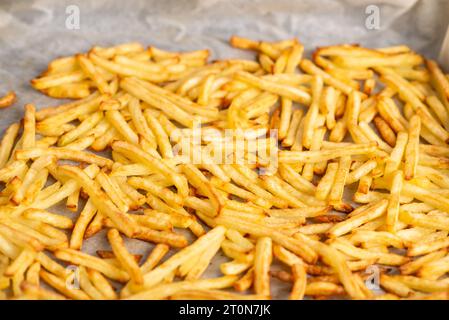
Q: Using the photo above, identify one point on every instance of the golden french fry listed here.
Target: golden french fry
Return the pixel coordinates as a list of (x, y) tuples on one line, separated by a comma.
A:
[(29, 127), (324, 155), (385, 131), (297, 247), (7, 143), (125, 258), (81, 224), (87, 286), (336, 193), (154, 258), (75, 90), (412, 149), (244, 43), (60, 284), (152, 163), (292, 128), (89, 69), (361, 171), (397, 154), (156, 275), (310, 68), (312, 113), (300, 282), (393, 202), (423, 285), (439, 81), (63, 153), (101, 200), (327, 181), (285, 91), (101, 284), (39, 293), (358, 217), (7, 99), (394, 286), (165, 290)]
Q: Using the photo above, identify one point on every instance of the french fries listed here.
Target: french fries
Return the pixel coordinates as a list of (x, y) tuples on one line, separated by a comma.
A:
[(411, 151), (177, 142), (124, 257)]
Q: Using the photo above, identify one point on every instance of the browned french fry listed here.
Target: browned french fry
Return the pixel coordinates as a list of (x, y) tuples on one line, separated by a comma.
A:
[(89, 69), (7, 99), (125, 258)]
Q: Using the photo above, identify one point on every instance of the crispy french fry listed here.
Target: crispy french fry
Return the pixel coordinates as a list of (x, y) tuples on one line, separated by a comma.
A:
[(262, 261), (101, 200), (152, 163), (87, 286), (153, 113), (393, 202), (7, 143), (7, 99), (285, 91), (300, 282), (397, 154), (336, 193), (101, 284), (125, 258), (89, 69), (61, 285), (92, 262), (412, 149), (358, 217)]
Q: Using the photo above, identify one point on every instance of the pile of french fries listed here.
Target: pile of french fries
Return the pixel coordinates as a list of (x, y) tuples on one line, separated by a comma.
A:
[(361, 180)]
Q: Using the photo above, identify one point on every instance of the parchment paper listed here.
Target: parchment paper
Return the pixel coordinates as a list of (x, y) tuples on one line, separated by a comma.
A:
[(34, 32)]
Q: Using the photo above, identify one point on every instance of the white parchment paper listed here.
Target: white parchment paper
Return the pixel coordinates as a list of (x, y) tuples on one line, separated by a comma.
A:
[(34, 32)]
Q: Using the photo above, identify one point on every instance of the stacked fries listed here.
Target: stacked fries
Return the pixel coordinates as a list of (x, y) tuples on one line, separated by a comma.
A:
[(360, 182)]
